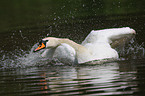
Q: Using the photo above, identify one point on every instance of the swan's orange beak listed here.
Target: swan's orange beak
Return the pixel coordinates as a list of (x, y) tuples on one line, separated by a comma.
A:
[(41, 46)]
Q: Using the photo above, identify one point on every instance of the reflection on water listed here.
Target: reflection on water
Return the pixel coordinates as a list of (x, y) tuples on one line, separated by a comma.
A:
[(106, 79), (25, 22)]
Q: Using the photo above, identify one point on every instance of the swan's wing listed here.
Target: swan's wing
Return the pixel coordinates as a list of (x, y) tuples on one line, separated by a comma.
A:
[(65, 53), (108, 35)]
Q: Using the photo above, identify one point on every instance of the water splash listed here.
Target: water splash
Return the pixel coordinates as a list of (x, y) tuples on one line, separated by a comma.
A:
[(19, 59), (25, 59), (132, 50)]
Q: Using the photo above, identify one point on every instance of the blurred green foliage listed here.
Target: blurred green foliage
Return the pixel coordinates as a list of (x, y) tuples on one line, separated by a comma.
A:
[(28, 12)]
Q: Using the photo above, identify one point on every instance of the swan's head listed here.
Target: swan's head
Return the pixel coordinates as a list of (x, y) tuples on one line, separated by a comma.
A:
[(49, 42)]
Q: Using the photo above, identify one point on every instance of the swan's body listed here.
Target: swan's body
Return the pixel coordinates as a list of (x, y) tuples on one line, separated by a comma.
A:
[(66, 49), (96, 46)]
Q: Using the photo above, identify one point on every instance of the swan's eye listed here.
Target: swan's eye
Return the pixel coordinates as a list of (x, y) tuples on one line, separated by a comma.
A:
[(40, 42)]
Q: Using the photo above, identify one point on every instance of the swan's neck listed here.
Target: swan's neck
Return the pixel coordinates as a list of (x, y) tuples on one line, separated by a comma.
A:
[(76, 46)]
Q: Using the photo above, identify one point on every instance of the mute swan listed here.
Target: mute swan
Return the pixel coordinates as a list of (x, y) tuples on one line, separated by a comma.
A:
[(96, 46)]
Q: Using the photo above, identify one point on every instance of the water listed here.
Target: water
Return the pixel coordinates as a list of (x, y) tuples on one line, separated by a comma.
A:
[(24, 23)]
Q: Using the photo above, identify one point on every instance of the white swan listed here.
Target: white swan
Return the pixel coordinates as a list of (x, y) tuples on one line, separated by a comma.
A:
[(96, 46)]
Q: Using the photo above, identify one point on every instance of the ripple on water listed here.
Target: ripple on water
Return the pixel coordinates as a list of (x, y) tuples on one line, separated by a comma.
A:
[(102, 80)]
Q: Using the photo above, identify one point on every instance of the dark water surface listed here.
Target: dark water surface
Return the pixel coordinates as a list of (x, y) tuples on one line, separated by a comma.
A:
[(24, 22)]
